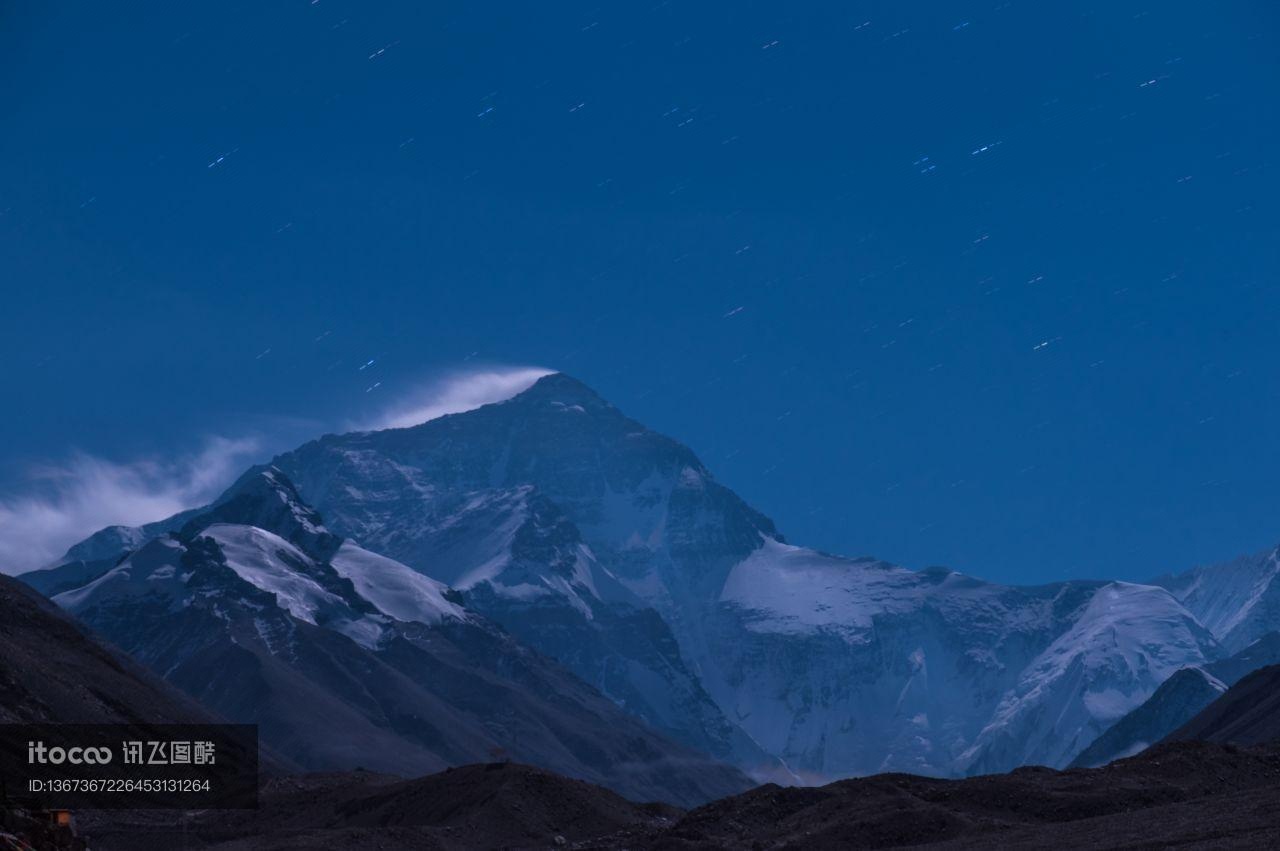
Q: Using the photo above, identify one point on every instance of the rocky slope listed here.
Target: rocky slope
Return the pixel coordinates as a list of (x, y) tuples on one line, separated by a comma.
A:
[(1247, 714), (1187, 794), (1175, 795), (1238, 601), (1179, 699), (495, 805), (53, 670)]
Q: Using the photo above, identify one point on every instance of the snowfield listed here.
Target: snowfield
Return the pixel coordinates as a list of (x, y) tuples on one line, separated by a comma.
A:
[(397, 590)]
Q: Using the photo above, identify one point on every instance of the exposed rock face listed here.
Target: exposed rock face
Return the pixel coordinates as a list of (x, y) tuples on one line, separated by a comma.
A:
[(1179, 699), (53, 670), (1248, 714)]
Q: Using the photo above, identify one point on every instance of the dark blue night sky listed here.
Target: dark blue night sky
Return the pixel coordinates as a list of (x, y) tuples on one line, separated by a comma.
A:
[(990, 285)]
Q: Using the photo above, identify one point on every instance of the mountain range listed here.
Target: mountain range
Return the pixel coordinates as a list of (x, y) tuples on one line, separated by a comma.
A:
[(1214, 784), (549, 577), (346, 658)]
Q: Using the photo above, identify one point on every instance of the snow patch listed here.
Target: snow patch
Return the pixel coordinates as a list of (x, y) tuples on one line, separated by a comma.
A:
[(396, 589), (151, 570), (787, 589), (272, 564), (266, 560)]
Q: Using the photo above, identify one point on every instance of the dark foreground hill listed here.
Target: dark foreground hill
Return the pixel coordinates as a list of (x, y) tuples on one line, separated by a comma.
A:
[(498, 805), (1191, 795), (1178, 700), (1247, 714), (52, 669), (1186, 794)]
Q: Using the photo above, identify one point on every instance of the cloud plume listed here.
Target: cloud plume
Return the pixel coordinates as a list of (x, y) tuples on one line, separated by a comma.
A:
[(458, 392), (74, 498), (66, 502)]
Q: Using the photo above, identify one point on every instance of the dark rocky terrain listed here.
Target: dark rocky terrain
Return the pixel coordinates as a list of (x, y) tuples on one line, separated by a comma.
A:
[(1186, 794), (495, 805), (52, 669), (1249, 713)]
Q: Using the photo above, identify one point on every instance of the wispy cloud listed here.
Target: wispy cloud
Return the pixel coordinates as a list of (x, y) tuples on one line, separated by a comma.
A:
[(65, 502), (72, 499), (457, 392)]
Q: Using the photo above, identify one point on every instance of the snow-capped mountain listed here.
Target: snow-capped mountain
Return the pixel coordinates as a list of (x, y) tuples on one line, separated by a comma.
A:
[(859, 663), (96, 554), (1238, 601), (614, 550), (1178, 699), (1125, 642), (348, 658), (519, 561), (836, 666), (543, 512)]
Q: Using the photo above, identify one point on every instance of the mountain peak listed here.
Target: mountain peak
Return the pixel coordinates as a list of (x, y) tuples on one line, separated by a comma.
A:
[(564, 389), (264, 481), (265, 497)]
